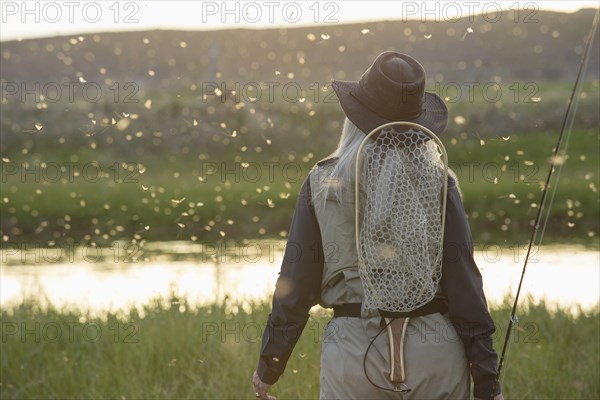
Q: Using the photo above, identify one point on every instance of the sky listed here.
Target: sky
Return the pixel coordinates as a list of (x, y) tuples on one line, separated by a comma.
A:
[(34, 19)]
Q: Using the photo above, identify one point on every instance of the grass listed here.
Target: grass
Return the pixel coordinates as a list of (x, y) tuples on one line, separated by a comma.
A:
[(500, 180), (500, 150), (501, 184), (169, 350)]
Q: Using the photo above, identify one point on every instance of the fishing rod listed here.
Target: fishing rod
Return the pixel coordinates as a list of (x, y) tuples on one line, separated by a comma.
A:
[(513, 316)]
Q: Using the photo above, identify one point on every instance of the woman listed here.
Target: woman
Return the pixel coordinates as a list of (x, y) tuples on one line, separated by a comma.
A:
[(448, 340)]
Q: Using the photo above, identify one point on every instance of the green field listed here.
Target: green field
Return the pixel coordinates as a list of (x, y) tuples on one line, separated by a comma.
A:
[(500, 180), (204, 170), (169, 351)]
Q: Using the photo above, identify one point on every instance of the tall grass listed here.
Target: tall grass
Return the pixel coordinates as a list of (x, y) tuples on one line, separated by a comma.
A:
[(169, 350)]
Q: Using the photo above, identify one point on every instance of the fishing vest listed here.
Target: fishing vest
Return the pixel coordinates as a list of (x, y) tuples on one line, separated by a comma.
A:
[(336, 223)]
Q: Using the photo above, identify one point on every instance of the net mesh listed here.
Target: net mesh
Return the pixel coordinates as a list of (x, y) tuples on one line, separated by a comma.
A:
[(400, 219)]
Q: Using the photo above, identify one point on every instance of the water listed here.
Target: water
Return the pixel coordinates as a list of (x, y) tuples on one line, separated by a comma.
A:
[(568, 277)]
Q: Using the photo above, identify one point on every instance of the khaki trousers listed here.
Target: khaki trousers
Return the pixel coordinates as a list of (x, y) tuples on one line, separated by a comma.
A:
[(435, 362)]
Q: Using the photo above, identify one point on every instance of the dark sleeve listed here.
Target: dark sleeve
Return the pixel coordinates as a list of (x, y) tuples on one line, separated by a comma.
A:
[(298, 289), (462, 284)]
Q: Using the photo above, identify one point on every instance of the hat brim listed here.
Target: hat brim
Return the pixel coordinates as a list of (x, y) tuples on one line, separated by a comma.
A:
[(433, 117)]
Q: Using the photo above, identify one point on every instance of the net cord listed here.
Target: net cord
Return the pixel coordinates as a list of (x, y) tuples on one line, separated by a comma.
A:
[(358, 165)]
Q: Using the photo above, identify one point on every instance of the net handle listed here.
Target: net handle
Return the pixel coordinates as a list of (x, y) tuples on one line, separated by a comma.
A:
[(358, 174)]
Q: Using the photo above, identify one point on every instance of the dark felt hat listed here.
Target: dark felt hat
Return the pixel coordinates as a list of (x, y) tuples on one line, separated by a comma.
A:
[(392, 89)]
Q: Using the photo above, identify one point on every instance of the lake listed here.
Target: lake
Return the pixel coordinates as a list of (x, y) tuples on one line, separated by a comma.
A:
[(124, 276)]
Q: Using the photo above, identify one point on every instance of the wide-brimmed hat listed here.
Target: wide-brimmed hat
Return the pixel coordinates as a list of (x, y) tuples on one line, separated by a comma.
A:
[(392, 89)]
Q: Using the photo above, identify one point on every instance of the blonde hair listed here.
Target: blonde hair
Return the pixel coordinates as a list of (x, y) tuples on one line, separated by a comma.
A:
[(340, 176)]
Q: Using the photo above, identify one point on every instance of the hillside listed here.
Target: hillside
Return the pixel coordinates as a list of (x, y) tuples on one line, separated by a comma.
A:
[(546, 49)]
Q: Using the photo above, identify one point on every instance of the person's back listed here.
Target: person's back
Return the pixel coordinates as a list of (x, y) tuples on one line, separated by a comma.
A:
[(411, 272), (436, 366)]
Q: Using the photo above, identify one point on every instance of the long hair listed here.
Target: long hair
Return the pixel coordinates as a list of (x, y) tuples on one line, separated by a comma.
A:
[(340, 177)]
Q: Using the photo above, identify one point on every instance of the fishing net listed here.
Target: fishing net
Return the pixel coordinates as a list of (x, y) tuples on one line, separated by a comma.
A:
[(401, 186)]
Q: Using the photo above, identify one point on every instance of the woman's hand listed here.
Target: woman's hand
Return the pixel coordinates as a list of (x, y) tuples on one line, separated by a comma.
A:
[(261, 388)]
